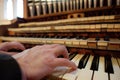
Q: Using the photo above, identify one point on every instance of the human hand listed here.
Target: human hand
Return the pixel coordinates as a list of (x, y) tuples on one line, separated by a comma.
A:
[(41, 61), (6, 46)]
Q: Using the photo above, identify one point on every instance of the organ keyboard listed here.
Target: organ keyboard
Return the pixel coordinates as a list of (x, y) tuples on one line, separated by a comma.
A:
[(90, 29), (90, 43), (93, 68)]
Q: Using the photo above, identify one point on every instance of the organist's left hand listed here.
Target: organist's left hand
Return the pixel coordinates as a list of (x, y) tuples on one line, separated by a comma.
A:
[(41, 61), (6, 46)]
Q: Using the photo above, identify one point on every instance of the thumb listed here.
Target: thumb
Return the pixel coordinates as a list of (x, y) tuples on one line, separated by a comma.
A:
[(64, 62)]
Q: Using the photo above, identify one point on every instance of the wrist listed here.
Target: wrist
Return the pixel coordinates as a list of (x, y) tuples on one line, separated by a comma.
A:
[(21, 65)]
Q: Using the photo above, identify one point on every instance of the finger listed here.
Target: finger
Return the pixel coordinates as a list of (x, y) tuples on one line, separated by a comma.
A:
[(16, 45), (10, 53), (47, 46), (60, 51), (50, 46), (54, 45), (64, 62)]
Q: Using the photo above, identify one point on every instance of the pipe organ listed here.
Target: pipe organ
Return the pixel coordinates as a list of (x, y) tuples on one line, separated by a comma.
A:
[(90, 29)]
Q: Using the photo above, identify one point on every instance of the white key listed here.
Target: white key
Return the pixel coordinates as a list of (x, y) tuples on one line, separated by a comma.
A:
[(116, 69), (73, 75), (60, 71), (78, 59), (100, 74), (61, 74), (75, 58), (86, 73)]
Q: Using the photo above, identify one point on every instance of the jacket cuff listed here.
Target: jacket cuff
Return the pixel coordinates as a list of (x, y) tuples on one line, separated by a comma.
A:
[(9, 68)]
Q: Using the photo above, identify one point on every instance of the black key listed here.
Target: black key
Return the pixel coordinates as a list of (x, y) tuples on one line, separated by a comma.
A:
[(95, 63), (97, 38), (42, 36), (78, 37), (107, 38), (84, 37), (56, 37), (69, 37), (60, 37), (45, 36), (71, 56), (49, 36), (108, 65), (83, 61)]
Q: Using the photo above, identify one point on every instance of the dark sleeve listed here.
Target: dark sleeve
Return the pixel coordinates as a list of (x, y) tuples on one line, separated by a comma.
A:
[(9, 68)]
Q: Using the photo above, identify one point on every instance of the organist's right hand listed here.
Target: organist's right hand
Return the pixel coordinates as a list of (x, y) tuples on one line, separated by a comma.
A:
[(41, 61)]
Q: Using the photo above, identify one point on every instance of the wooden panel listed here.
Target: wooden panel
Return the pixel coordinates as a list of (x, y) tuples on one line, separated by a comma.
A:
[(25, 9)]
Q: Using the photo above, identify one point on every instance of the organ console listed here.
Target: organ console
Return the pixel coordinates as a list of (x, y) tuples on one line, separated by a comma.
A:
[(90, 29)]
